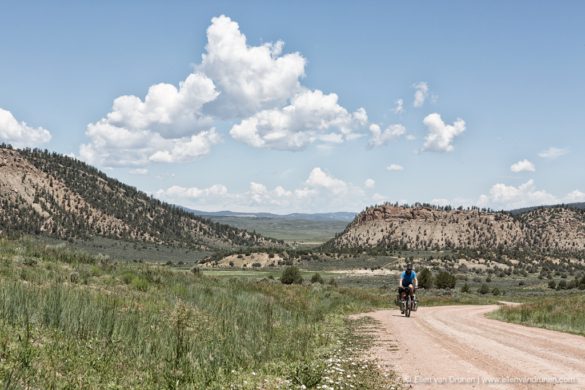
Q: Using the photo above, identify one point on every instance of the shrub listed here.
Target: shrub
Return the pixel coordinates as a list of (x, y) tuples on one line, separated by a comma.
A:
[(127, 277), (291, 275), (465, 288), (552, 284), (562, 285), (332, 282), (74, 277), (445, 280), (484, 289), (139, 283), (316, 278), (496, 291), (425, 278), (30, 262)]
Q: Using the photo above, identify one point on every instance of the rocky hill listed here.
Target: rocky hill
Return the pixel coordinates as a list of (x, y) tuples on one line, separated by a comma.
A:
[(47, 193), (426, 227)]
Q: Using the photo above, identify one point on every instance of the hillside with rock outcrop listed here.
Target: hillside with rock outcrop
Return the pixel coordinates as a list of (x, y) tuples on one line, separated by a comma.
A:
[(435, 228), (55, 195)]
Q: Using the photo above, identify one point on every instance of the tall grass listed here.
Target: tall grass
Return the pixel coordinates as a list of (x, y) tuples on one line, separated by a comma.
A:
[(564, 313), (71, 320)]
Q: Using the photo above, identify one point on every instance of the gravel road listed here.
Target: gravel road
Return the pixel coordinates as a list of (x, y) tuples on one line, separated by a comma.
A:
[(457, 347)]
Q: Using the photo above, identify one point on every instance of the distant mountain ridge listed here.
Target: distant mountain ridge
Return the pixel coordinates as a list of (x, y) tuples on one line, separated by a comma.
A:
[(335, 216), (51, 194), (579, 206), (424, 227)]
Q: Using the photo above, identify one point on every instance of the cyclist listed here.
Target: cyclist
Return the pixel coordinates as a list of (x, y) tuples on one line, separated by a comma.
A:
[(408, 282)]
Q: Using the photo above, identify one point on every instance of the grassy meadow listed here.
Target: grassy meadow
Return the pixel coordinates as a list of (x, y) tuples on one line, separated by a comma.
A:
[(71, 320), (562, 312), (304, 232)]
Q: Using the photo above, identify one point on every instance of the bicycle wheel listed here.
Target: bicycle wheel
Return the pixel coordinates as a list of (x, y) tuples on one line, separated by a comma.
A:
[(407, 306)]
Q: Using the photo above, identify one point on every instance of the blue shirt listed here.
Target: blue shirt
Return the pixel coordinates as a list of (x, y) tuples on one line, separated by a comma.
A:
[(407, 279)]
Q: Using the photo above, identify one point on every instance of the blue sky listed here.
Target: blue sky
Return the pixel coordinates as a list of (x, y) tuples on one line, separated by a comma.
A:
[(302, 116)]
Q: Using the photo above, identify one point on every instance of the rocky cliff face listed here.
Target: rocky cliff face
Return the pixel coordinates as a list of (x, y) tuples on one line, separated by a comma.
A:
[(389, 226)]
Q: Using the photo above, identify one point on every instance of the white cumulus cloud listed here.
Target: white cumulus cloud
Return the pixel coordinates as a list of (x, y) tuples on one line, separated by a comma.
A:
[(167, 126), (250, 78), (187, 148), (575, 196), (193, 192), (523, 166), (319, 178), (370, 183), (379, 137), (440, 202), (256, 89), (510, 197), (395, 168), (311, 116), (440, 135), (553, 153), (421, 93), (319, 192), (19, 133)]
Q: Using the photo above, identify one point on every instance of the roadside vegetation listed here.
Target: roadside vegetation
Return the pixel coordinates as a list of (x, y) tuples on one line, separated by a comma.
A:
[(565, 313), (68, 319)]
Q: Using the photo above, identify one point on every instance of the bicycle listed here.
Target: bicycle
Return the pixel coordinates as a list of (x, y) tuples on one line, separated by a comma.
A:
[(407, 304)]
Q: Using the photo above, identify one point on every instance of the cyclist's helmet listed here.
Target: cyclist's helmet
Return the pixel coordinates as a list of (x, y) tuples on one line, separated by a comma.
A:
[(408, 268)]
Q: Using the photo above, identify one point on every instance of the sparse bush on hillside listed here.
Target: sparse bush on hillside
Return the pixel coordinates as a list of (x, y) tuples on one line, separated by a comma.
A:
[(316, 278), (425, 278), (465, 288), (552, 284), (291, 275), (445, 280), (484, 289)]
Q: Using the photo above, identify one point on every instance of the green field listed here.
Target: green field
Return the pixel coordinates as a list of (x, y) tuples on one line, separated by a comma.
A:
[(78, 314), (71, 320), (562, 312), (128, 251), (306, 232)]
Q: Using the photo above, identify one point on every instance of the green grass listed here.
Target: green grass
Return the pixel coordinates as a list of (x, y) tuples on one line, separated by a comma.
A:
[(301, 231), (563, 312), (70, 320), (128, 251)]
